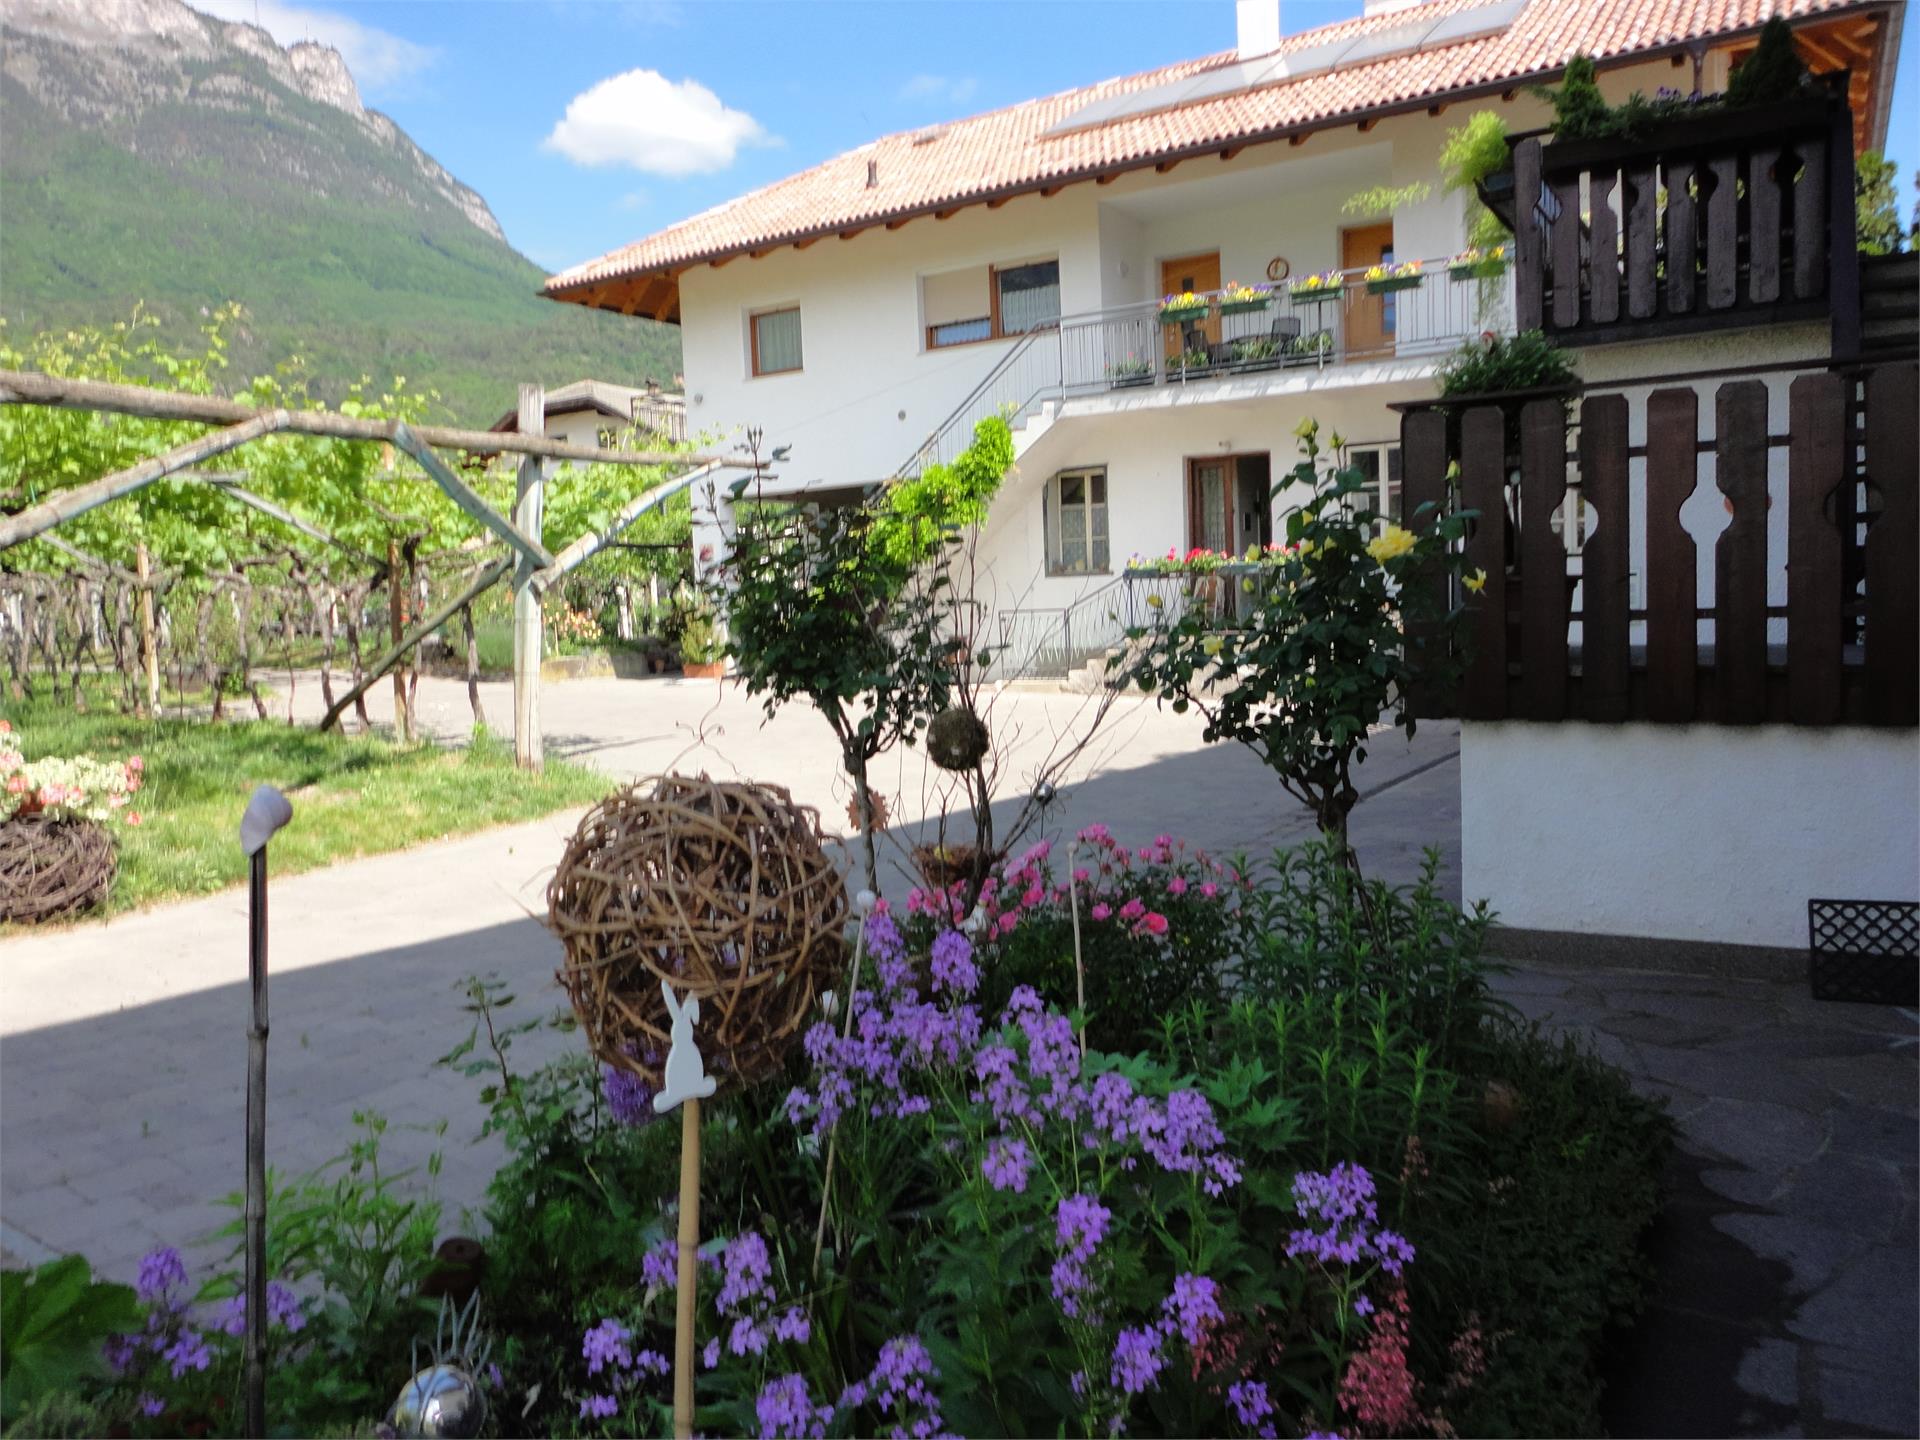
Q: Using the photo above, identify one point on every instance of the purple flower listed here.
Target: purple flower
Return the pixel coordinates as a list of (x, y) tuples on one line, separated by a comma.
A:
[(1005, 1165), (1363, 1307), (1137, 1361), (1343, 1201), (710, 1354), (1080, 1225), (1193, 1307), (629, 1098), (599, 1407), (747, 1271), (660, 1266), (187, 1352), (951, 962), (786, 1409), (119, 1352), (606, 1344), (793, 1326), (283, 1309), (160, 1271), (151, 1404), (1251, 1406), (748, 1337)]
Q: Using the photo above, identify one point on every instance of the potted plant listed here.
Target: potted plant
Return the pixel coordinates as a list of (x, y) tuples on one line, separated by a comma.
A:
[(1307, 349), (1318, 289), (1128, 372), (702, 652), (1239, 299), (1474, 263), (1196, 360), (1179, 309), (57, 856), (1383, 278), (1258, 353)]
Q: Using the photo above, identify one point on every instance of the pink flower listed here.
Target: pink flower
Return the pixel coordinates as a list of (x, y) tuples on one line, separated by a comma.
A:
[(1146, 852), (1082, 875), (1209, 890), (136, 764), (1165, 842), (16, 783), (1007, 922), (1155, 922), (6, 727), (1034, 895), (1176, 886), (1102, 911), (1132, 910), (133, 817)]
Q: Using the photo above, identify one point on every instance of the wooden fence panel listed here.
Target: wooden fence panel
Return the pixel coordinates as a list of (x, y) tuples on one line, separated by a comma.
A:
[(1528, 242), (1483, 488), (1763, 225), (1543, 561), (1603, 254), (1566, 253), (1723, 233), (1816, 461), (1893, 549), (1673, 575), (1643, 225), (1604, 558), (1682, 223), (1810, 222), (1423, 451), (1740, 558)]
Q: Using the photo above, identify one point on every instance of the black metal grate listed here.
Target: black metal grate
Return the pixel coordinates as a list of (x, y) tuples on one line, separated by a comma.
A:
[(1864, 950)]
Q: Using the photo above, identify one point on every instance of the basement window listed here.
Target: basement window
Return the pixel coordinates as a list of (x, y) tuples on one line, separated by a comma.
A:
[(989, 302)]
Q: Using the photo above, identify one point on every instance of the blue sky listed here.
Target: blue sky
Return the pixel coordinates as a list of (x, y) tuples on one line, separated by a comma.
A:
[(503, 92)]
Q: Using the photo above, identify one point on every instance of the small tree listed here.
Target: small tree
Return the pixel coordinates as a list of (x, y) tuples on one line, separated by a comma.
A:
[(1345, 625), (1876, 205)]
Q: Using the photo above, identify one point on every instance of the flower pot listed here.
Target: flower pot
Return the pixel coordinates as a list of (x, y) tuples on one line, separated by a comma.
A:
[(1393, 282), (1319, 295), (1478, 270), (50, 869), (1183, 315), (703, 669), (1263, 362), (1125, 382), (1245, 307)]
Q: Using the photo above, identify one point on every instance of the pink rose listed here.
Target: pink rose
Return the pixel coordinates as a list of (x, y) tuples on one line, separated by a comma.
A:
[(133, 817), (1165, 842), (136, 764), (1102, 911), (1082, 875), (1034, 895), (1007, 922), (1132, 910), (1209, 890), (1156, 923), (1177, 886)]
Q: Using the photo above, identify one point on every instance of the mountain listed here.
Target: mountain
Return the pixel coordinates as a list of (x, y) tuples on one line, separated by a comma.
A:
[(149, 153)]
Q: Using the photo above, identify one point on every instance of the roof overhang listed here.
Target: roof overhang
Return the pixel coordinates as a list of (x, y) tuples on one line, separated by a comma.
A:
[(653, 291), (509, 423), (817, 491)]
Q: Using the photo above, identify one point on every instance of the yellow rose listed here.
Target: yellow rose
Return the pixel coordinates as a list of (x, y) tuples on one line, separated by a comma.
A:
[(1306, 429), (1390, 546), (1211, 644), (1154, 602), (1475, 582)]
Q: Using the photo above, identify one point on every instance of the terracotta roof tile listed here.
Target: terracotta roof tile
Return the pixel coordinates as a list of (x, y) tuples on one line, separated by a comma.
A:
[(1008, 151)]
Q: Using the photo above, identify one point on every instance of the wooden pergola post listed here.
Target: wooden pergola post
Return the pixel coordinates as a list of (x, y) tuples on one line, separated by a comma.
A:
[(529, 505)]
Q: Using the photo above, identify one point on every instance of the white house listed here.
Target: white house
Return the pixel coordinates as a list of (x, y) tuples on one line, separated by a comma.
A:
[(597, 412), (865, 313)]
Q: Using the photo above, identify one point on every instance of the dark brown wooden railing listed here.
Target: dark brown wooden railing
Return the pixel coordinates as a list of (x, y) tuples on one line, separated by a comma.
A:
[(1843, 649), (1743, 218)]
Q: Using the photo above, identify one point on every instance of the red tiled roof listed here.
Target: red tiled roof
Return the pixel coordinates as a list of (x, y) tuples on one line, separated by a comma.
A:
[(1008, 151)]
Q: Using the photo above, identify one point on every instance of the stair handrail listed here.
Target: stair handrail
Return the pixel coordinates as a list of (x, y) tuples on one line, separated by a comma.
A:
[(931, 443)]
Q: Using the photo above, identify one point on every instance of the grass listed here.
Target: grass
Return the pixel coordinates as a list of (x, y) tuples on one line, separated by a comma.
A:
[(351, 795)]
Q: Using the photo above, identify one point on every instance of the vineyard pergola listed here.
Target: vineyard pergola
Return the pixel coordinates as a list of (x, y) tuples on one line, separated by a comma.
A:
[(533, 569)]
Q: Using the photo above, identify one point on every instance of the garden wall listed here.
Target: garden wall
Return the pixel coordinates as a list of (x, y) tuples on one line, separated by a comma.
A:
[(1698, 832)]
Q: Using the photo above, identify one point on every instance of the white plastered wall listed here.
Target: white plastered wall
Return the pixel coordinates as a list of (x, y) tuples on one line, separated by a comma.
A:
[(1698, 832)]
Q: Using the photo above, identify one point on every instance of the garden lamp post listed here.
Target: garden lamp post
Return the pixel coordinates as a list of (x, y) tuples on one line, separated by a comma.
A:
[(266, 813)]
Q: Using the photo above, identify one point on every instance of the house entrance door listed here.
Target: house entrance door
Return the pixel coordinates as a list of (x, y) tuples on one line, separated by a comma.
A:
[(1229, 503), (1370, 319), (1200, 274)]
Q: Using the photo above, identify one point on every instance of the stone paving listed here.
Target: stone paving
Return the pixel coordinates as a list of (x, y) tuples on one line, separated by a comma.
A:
[(1787, 1301), (1787, 1252)]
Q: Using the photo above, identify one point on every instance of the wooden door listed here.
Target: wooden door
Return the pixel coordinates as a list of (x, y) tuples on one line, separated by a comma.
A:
[(1210, 508), (1201, 275), (1369, 318)]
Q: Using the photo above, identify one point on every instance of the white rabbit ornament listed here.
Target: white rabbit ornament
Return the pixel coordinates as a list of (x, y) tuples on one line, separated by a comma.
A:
[(686, 1075)]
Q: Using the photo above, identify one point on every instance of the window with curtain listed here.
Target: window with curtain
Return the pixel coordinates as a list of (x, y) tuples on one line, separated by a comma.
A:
[(1029, 296), (776, 341), (1076, 522)]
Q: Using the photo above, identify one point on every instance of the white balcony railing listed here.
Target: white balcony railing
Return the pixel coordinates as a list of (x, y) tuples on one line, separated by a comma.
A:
[(1287, 329)]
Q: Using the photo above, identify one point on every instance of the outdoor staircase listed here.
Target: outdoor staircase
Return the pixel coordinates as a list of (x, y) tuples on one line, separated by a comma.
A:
[(1889, 305)]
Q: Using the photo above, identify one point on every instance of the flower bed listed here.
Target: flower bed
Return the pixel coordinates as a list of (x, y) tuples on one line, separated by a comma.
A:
[(1256, 1182)]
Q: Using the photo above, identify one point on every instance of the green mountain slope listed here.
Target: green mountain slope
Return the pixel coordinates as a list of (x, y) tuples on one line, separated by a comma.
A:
[(152, 154)]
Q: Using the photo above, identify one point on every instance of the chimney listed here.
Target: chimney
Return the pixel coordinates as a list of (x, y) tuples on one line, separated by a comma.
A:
[(1258, 25)]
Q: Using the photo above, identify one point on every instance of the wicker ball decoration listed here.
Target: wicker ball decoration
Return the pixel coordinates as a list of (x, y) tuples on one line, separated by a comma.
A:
[(957, 739), (722, 888), (53, 868)]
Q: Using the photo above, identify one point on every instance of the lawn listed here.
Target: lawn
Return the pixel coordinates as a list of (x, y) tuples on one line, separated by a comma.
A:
[(351, 795)]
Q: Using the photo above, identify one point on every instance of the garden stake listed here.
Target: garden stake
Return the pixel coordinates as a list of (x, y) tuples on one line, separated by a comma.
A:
[(685, 1083), (266, 813), (1079, 968), (863, 902)]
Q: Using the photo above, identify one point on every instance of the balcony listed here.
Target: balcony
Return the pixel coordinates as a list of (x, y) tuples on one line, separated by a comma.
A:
[(1735, 219), (1287, 331)]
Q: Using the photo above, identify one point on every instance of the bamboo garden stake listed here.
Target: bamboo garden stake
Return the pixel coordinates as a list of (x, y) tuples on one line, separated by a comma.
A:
[(686, 1083)]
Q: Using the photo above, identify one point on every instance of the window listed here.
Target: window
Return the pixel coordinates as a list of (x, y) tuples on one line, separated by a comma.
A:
[(1076, 523), (607, 435), (1381, 465), (987, 302), (776, 341)]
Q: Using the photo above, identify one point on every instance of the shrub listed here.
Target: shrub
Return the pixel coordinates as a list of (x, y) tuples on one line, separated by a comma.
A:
[(1498, 363)]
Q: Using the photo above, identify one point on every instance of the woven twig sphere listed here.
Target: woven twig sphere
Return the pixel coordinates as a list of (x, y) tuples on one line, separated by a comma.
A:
[(723, 889), (51, 868)]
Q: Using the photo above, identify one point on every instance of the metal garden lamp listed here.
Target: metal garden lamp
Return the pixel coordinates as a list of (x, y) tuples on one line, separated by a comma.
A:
[(267, 812)]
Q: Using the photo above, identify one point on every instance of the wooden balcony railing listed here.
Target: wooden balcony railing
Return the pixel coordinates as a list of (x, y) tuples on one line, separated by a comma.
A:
[(1735, 219), (1555, 633)]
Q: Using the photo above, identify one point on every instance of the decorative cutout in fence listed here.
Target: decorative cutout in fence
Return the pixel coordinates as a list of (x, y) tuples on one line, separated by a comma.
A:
[(1719, 647)]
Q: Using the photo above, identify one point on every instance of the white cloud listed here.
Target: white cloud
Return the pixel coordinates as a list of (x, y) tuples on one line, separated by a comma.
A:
[(377, 58), (643, 120), (951, 89)]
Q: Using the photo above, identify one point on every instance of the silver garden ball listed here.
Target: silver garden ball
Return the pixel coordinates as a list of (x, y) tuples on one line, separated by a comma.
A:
[(441, 1400)]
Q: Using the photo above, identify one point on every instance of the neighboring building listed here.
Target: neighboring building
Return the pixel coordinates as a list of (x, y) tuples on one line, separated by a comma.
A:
[(593, 412), (869, 311)]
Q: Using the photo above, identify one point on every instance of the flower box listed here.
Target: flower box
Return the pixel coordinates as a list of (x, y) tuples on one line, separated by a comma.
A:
[(1245, 307), (1130, 380), (1316, 294), (1393, 282), (1180, 315), (1487, 269)]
